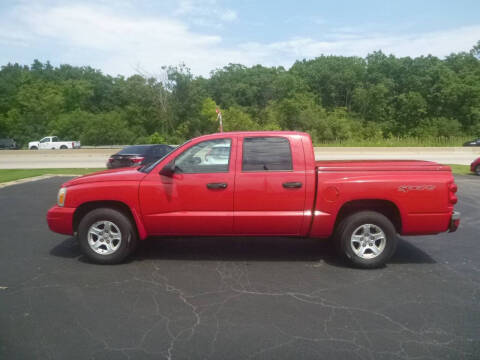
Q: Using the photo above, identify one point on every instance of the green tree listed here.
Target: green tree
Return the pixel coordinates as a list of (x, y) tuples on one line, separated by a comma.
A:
[(332, 78), (208, 116), (332, 97), (107, 129), (156, 138), (476, 50), (235, 119)]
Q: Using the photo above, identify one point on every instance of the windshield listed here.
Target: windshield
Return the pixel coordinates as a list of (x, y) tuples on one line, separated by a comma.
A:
[(149, 167)]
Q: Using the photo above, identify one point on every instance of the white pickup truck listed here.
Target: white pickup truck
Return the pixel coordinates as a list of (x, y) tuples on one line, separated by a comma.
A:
[(52, 142)]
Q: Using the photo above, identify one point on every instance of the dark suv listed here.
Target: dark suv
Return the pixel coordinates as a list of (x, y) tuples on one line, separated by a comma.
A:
[(8, 144)]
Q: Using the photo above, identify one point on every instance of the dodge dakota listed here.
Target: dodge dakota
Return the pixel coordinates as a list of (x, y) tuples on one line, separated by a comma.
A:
[(267, 184)]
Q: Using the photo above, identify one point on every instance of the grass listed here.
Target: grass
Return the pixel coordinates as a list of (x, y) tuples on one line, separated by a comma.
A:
[(16, 174), (398, 142), (460, 169)]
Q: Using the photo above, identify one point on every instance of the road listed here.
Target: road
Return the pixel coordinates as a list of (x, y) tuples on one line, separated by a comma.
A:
[(43, 159), (240, 298), (97, 158)]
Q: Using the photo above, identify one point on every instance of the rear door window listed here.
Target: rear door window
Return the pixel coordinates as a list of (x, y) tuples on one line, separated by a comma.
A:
[(266, 154)]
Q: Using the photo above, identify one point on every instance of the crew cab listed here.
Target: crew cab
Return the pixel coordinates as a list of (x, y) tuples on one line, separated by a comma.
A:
[(270, 185), (52, 142)]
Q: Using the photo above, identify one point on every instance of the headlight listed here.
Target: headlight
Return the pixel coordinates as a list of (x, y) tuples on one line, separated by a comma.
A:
[(62, 194)]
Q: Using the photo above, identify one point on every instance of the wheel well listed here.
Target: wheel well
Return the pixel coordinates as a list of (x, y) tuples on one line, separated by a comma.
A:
[(85, 208), (384, 207)]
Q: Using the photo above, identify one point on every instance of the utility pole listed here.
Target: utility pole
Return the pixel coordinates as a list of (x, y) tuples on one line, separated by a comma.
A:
[(219, 118)]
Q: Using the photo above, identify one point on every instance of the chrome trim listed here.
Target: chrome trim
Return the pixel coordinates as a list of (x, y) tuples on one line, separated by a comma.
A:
[(456, 215)]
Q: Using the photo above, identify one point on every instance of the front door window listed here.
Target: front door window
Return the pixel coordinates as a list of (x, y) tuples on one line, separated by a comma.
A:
[(211, 156)]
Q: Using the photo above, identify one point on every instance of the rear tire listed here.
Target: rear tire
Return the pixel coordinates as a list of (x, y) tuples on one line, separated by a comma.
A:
[(63, 147), (477, 170), (106, 236), (367, 239), (34, 148)]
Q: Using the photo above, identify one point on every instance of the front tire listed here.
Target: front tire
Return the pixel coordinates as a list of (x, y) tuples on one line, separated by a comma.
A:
[(367, 239), (33, 148), (106, 236), (63, 147), (477, 170)]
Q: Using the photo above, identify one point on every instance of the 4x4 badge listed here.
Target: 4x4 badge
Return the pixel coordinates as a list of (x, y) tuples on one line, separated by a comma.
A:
[(407, 188)]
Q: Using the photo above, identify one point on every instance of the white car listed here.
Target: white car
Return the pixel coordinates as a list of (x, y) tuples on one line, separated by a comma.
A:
[(218, 155), (52, 142)]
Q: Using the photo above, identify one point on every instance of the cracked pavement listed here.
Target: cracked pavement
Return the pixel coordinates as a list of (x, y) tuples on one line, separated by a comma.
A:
[(234, 298)]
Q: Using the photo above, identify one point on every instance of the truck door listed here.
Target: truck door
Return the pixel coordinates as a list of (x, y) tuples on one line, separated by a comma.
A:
[(269, 186), (197, 199), (44, 143)]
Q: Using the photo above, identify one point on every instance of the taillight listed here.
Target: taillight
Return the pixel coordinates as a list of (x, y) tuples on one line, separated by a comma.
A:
[(137, 159), (110, 160), (452, 198)]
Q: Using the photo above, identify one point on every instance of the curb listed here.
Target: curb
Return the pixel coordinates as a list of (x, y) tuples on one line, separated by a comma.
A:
[(33, 178)]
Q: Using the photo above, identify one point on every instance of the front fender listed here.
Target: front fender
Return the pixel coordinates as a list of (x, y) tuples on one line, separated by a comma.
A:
[(122, 192)]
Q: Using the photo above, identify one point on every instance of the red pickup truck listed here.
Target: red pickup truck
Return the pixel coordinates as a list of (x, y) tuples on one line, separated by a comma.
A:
[(257, 184)]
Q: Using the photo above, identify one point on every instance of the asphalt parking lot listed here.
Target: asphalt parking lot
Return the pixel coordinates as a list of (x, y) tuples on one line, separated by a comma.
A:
[(241, 298)]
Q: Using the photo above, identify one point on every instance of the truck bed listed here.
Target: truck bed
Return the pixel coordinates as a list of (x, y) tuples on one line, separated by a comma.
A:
[(379, 165)]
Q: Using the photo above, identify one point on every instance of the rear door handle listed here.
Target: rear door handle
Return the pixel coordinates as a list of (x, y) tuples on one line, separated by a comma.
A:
[(292, 185), (217, 185)]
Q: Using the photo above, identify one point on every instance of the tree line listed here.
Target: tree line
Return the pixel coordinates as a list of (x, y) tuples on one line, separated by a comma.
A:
[(331, 97)]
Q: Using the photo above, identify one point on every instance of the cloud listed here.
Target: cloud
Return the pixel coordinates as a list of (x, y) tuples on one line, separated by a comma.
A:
[(96, 28), (205, 12), (117, 43), (356, 43), (351, 42)]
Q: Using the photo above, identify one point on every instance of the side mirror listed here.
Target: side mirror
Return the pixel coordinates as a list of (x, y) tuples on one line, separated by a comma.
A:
[(168, 170)]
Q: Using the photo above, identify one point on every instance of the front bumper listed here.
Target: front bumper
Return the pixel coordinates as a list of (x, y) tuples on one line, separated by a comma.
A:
[(454, 221), (60, 219)]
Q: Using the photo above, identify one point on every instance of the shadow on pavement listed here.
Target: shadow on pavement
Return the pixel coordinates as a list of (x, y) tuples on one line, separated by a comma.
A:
[(407, 253), (244, 249), (68, 248)]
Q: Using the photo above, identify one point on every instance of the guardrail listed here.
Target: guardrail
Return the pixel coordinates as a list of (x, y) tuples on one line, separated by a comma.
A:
[(104, 147)]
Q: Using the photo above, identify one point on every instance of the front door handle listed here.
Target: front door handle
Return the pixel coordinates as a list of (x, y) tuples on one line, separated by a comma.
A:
[(292, 185), (217, 185)]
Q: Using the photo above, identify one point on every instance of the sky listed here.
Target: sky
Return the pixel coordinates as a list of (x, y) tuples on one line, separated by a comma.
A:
[(127, 37)]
